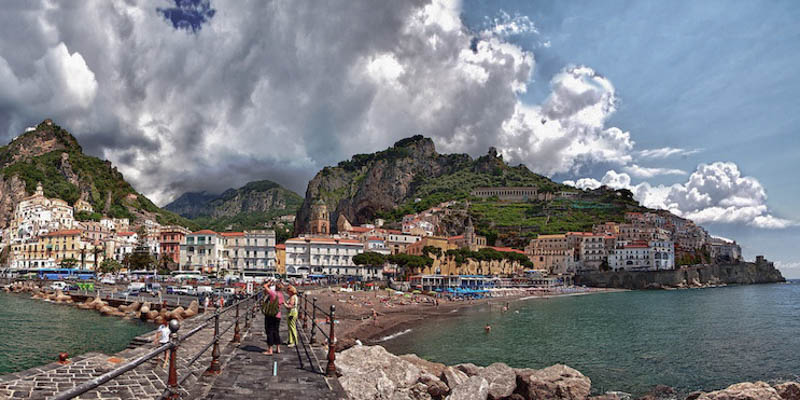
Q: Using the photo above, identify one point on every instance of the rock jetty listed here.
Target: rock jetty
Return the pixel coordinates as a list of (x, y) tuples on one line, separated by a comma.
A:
[(145, 311), (371, 372)]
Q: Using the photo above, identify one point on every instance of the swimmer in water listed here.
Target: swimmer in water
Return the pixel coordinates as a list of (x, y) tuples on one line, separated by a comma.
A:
[(488, 328)]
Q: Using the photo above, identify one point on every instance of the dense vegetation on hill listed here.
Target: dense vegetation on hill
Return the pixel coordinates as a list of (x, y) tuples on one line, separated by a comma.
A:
[(52, 156), (250, 207), (411, 176)]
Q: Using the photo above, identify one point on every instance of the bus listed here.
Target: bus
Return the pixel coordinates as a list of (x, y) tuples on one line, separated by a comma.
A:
[(187, 275), (57, 273)]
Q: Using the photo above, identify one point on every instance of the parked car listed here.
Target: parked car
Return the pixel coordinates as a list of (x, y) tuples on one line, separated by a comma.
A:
[(189, 290), (204, 289), (59, 286), (171, 290), (108, 280)]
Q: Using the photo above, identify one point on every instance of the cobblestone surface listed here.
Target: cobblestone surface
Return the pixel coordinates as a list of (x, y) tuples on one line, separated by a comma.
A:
[(147, 381), (248, 374)]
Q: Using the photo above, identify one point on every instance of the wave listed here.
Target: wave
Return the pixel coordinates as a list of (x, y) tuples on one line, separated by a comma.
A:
[(394, 335)]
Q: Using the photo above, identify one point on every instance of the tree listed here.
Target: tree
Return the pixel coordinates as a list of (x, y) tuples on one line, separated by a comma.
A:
[(369, 258), (68, 263), (428, 250), (110, 265)]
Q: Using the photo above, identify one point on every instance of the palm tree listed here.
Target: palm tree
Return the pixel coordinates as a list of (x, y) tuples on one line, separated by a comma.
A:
[(97, 250)]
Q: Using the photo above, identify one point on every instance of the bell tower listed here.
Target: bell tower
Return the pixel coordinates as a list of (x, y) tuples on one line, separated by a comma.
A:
[(320, 219)]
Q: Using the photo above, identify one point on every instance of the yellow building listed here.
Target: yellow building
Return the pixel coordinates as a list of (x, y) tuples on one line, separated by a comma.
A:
[(53, 248), (551, 253), (280, 258)]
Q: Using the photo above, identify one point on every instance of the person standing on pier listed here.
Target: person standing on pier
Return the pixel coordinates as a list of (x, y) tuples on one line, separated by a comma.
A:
[(271, 308), (161, 338), (291, 320)]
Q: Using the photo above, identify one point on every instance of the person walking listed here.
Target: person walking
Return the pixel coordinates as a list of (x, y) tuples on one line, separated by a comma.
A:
[(291, 320), (271, 308)]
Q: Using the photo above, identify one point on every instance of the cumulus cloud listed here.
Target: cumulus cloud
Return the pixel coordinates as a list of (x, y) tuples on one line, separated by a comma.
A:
[(716, 192)]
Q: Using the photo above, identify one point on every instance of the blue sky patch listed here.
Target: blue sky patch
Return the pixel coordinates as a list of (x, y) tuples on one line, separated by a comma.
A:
[(188, 14)]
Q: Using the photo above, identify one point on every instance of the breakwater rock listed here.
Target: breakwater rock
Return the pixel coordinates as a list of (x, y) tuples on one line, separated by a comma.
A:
[(742, 273), (371, 372)]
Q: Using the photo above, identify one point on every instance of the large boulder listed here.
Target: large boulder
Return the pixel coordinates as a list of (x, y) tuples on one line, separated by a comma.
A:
[(612, 396), (430, 367), (743, 391), (416, 392), (468, 368), (475, 388), (788, 390), (371, 372), (502, 380), (435, 387), (554, 382), (193, 309), (453, 377)]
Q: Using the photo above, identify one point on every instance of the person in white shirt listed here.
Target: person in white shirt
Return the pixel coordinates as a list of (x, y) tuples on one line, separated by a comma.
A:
[(161, 338)]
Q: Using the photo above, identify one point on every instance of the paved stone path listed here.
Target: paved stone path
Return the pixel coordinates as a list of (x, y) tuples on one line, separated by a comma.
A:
[(248, 373), (147, 381)]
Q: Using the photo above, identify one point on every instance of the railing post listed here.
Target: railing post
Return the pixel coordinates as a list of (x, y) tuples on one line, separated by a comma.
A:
[(172, 380), (236, 337), (313, 320), (214, 367), (305, 312), (330, 369), (247, 318)]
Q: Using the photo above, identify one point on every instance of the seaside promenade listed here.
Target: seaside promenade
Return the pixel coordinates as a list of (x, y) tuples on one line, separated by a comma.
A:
[(245, 373)]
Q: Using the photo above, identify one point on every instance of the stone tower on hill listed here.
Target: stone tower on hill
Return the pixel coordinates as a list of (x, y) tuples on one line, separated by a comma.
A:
[(320, 219)]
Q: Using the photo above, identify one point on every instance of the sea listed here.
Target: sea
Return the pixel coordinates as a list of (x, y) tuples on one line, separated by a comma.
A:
[(693, 339), (33, 332)]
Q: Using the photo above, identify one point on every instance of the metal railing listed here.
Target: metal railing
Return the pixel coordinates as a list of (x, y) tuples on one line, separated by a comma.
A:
[(314, 327), (173, 382)]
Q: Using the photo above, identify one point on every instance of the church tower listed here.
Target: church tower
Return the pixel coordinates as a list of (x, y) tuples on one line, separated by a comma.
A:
[(320, 219)]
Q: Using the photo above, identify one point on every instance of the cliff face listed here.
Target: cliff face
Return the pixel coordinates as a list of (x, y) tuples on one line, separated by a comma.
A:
[(255, 197), (377, 184), (742, 273), (51, 155)]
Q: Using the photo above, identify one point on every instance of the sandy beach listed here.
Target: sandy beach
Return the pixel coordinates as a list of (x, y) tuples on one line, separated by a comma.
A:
[(397, 313)]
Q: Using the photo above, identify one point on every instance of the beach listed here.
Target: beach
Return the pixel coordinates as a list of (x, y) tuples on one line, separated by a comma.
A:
[(397, 312)]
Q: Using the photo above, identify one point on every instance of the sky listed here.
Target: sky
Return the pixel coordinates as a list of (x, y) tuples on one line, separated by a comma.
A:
[(690, 105)]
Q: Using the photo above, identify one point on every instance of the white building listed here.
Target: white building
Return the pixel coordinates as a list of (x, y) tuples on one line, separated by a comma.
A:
[(250, 251), (324, 255), (631, 257), (203, 251), (38, 215), (662, 253), (377, 245)]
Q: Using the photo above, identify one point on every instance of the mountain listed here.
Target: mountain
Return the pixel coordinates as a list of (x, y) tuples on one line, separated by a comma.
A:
[(411, 176), (247, 207), (51, 155)]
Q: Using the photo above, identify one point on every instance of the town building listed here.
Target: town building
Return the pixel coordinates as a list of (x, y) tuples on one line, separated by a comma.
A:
[(439, 242), (377, 245), (516, 193), (203, 251), (170, 238), (722, 250), (469, 239), (551, 253), (250, 251), (36, 215), (325, 255), (280, 258), (55, 249)]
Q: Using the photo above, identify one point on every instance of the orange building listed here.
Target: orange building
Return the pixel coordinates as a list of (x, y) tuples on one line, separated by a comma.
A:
[(169, 241)]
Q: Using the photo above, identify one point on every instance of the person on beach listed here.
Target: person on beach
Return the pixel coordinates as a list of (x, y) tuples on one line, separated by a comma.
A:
[(271, 308), (374, 317), (291, 320), (161, 338)]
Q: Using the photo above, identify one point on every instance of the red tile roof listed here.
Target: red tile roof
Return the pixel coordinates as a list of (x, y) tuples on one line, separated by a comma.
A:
[(126, 233), (204, 232), (280, 246), (360, 229), (374, 238), (232, 233)]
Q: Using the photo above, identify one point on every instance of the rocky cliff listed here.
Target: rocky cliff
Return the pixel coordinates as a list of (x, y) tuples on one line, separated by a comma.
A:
[(743, 273), (407, 177), (51, 155)]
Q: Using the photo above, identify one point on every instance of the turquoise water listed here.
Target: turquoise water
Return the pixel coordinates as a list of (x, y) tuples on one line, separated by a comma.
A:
[(631, 341), (33, 332)]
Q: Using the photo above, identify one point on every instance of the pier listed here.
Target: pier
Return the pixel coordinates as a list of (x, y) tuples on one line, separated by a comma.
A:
[(215, 355)]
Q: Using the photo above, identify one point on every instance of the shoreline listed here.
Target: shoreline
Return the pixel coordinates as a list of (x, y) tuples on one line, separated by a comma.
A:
[(355, 322)]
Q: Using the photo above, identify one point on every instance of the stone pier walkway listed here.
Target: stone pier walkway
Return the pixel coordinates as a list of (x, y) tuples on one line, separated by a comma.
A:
[(248, 374), (147, 381)]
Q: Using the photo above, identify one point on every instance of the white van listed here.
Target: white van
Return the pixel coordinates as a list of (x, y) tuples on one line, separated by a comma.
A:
[(59, 286), (136, 287), (189, 290), (204, 289)]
